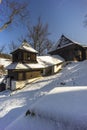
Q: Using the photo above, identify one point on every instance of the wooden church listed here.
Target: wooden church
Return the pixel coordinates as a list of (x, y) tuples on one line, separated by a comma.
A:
[(26, 66), (69, 50)]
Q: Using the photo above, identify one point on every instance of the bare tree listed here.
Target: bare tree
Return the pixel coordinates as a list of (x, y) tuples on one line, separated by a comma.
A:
[(2, 48), (12, 12), (0, 1), (46, 47), (12, 46), (38, 35), (23, 38), (85, 20), (49, 44)]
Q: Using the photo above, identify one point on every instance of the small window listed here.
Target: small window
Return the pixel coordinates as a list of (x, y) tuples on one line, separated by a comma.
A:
[(25, 56), (19, 56), (20, 76), (28, 56), (15, 57)]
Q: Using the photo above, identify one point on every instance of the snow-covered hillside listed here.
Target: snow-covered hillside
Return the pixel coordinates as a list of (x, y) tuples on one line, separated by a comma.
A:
[(5, 62), (61, 109), (56, 89)]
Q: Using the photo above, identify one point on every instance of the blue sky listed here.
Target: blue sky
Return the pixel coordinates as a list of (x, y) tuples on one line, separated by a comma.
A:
[(63, 17)]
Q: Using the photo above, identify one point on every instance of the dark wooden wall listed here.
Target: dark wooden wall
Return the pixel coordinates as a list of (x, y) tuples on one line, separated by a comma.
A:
[(71, 53), (24, 57)]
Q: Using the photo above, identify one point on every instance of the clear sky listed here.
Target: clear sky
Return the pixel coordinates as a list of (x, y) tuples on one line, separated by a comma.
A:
[(63, 17)]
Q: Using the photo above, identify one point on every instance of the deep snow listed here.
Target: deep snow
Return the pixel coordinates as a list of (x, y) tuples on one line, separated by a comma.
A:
[(5, 62), (61, 109), (13, 105)]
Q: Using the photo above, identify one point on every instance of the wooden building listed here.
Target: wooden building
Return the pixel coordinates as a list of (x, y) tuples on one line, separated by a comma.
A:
[(26, 66), (51, 64), (69, 50)]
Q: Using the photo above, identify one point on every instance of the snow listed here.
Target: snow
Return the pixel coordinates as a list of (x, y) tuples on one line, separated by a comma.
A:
[(63, 42), (49, 60), (30, 49), (2, 78), (58, 101), (27, 47), (62, 46), (24, 66), (65, 105), (5, 62), (61, 109), (43, 61)]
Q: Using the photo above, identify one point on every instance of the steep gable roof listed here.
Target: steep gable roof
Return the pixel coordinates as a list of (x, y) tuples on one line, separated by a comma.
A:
[(63, 42), (25, 46)]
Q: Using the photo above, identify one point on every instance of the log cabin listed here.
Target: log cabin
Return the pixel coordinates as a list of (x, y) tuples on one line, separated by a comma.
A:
[(69, 50), (26, 66)]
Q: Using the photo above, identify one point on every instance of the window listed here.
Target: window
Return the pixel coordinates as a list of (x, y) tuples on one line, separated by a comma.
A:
[(28, 56), (78, 54), (25, 55), (19, 56), (20, 76)]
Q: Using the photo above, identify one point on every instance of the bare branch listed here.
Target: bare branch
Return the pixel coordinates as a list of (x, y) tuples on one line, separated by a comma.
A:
[(0, 1), (38, 35), (12, 46), (2, 48), (15, 9)]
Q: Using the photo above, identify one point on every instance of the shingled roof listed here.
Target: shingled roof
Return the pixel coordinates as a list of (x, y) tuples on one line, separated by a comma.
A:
[(25, 46), (43, 62), (63, 42)]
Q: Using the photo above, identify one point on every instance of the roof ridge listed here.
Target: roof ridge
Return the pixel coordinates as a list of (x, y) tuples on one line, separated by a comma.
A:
[(26, 46), (25, 43), (63, 41)]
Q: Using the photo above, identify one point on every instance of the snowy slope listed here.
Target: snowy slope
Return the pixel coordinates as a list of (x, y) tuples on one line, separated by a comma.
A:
[(5, 62), (13, 105), (62, 109), (65, 105)]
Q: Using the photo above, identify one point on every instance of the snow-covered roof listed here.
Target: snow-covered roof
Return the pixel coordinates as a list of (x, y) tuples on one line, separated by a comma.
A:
[(43, 61), (63, 42), (61, 46), (27, 47), (49, 60), (85, 46), (24, 66)]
